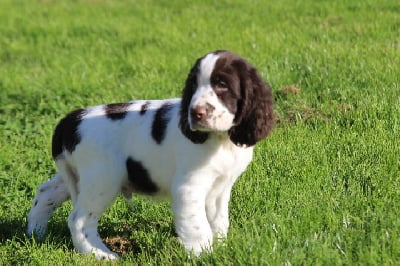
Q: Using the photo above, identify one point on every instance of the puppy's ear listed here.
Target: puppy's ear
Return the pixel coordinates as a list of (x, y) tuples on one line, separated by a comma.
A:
[(254, 119), (187, 94)]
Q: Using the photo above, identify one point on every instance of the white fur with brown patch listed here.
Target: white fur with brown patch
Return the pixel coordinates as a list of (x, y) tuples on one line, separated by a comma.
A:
[(197, 176)]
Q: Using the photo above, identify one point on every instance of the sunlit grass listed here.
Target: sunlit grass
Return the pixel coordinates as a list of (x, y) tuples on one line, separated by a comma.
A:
[(324, 188)]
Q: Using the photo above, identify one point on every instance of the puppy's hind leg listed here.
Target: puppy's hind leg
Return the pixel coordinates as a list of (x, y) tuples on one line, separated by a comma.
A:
[(50, 195), (97, 190)]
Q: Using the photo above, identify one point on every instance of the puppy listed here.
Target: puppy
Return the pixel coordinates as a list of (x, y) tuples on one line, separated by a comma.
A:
[(191, 149)]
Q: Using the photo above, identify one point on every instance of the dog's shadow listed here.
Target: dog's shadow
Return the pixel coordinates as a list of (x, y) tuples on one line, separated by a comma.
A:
[(121, 236), (14, 230)]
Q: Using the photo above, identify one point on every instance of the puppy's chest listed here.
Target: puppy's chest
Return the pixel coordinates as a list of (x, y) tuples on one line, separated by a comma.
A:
[(231, 161)]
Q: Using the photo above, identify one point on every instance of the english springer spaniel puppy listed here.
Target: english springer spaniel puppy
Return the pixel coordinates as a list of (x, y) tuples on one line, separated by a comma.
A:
[(191, 148)]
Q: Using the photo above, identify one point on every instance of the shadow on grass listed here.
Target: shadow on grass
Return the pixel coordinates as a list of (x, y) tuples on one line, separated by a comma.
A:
[(15, 230), (123, 237), (10, 229)]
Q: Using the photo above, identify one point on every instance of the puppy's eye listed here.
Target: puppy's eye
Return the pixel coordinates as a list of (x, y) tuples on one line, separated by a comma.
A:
[(221, 86)]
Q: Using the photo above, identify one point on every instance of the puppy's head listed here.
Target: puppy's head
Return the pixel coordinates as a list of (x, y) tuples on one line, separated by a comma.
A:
[(224, 93)]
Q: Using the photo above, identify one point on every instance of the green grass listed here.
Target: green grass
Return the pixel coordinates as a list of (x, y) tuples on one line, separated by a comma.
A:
[(323, 189)]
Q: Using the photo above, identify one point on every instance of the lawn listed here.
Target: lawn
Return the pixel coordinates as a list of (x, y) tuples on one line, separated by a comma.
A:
[(323, 189)]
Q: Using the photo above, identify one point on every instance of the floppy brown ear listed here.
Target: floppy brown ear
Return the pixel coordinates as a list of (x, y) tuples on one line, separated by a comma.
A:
[(187, 94), (254, 119)]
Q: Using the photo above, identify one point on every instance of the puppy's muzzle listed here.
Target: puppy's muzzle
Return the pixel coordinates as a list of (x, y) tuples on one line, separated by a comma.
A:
[(200, 113)]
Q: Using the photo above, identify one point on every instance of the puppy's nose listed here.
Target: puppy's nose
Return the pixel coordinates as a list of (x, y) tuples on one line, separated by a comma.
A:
[(198, 112)]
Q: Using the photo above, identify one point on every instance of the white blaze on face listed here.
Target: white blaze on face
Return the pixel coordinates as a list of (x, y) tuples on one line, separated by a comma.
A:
[(219, 118), (207, 65)]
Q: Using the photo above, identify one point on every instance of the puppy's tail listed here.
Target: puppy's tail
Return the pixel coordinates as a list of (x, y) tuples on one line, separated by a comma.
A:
[(50, 195)]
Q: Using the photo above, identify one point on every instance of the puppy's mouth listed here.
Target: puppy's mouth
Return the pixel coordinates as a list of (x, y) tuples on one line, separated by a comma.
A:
[(198, 119), (203, 119), (202, 126)]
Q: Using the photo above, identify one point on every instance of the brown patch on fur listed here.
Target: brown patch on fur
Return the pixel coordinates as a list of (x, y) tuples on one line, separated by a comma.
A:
[(251, 99), (66, 135)]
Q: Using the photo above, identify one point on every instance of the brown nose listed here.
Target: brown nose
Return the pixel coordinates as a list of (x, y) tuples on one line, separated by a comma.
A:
[(198, 112)]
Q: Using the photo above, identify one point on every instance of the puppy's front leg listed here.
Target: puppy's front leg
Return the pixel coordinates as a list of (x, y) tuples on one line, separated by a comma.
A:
[(217, 208), (191, 222)]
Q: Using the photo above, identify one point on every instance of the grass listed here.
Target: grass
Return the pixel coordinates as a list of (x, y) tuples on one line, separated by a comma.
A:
[(323, 189)]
